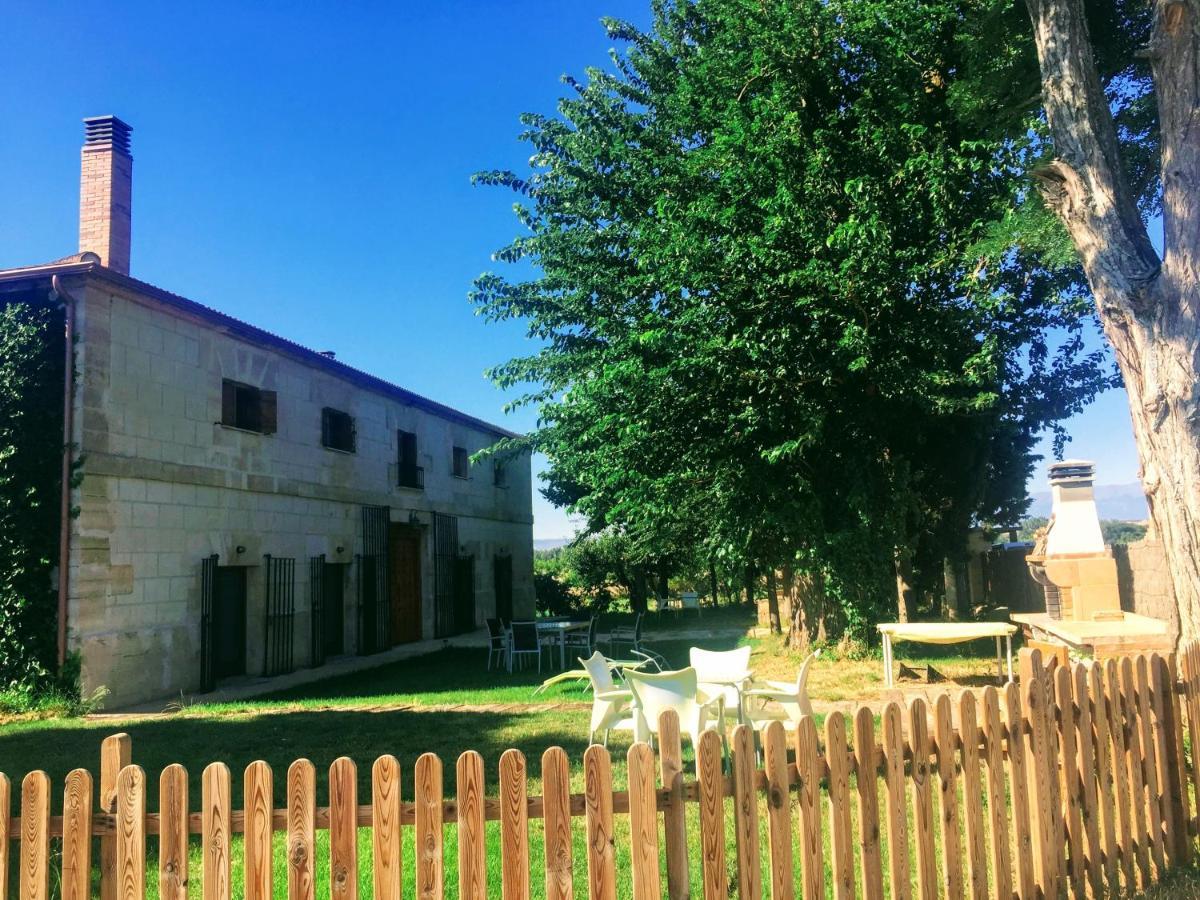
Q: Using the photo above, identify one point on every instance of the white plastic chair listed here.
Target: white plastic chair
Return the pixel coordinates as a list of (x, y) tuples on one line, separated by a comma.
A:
[(611, 705), (723, 672), (656, 692), (792, 698)]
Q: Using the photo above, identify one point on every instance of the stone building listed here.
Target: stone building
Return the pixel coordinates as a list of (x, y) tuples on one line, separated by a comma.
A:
[(249, 506)]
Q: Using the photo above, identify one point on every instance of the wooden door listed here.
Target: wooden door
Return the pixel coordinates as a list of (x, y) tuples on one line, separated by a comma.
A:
[(404, 570), (502, 576), (229, 622), (333, 609)]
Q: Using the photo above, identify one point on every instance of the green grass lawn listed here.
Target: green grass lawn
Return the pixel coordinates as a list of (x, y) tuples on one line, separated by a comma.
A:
[(442, 703)]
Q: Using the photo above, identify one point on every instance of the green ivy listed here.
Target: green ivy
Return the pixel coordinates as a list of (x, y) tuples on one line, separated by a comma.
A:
[(31, 384)]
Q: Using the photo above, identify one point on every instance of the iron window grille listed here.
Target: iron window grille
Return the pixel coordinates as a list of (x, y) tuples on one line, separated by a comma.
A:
[(278, 636)]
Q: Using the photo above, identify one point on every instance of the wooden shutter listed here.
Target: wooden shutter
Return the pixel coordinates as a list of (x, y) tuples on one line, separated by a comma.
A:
[(267, 411), (228, 403), (326, 430)]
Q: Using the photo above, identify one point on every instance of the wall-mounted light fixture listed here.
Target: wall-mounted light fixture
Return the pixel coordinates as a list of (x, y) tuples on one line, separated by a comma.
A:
[(413, 518), (341, 549), (240, 549)]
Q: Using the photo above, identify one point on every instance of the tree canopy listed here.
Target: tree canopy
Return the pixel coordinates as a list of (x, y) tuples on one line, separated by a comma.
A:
[(792, 301)]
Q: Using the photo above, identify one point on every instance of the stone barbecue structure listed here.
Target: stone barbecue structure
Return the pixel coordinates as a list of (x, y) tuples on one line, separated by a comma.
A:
[(1079, 577), (249, 506)]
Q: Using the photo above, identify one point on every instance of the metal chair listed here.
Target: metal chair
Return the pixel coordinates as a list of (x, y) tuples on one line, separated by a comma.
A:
[(582, 642), (523, 641), (624, 635), (497, 643)]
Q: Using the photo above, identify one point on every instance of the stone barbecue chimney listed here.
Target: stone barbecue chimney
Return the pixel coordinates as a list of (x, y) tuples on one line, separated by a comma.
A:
[(106, 191)]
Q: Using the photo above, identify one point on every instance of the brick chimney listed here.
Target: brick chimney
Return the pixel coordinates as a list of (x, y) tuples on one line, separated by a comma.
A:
[(106, 191)]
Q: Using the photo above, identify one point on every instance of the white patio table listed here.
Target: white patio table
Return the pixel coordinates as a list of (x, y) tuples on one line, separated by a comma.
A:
[(559, 629), (944, 633)]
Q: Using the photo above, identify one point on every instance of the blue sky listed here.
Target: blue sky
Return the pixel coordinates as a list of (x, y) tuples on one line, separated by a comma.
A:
[(306, 167)]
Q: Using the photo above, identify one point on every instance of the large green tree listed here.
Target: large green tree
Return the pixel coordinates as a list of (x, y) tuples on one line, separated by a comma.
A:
[(792, 302)]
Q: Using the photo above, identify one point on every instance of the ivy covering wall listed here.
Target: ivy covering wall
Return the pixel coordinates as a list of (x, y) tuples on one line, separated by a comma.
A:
[(31, 386)]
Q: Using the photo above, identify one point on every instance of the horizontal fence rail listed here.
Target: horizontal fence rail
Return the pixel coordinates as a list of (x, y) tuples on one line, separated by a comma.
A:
[(1072, 781)]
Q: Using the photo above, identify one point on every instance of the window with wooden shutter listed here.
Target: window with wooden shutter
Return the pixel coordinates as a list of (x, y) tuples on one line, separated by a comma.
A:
[(248, 408), (461, 462), (410, 475), (337, 430)]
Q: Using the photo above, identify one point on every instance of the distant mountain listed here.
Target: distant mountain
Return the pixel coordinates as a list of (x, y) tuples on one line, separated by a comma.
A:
[(1124, 502), (549, 543)]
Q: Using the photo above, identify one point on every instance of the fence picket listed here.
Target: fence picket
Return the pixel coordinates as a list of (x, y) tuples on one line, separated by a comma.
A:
[(301, 830), (1150, 764), (343, 829), (598, 813), (1085, 764), (779, 825), (837, 762), (867, 788), (808, 773), (745, 814), (951, 827), (131, 833), (968, 723), (1166, 676), (1070, 787), (670, 763), (899, 877), (514, 827), (386, 854), (427, 799), (5, 832), (1191, 696), (1163, 773), (116, 752), (216, 815), (1018, 772), (643, 821), (1038, 759), (998, 834), (1135, 768), (77, 836), (1120, 772), (257, 792), (172, 833), (922, 801), (472, 851), (556, 803), (1104, 778), (35, 836)]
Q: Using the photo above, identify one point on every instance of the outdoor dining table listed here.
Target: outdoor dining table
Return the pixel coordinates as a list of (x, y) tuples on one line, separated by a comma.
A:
[(559, 629), (944, 633)]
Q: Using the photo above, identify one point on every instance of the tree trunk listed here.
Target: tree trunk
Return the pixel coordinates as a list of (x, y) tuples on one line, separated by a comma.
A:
[(905, 594), (749, 584), (712, 583), (1150, 309), (773, 602)]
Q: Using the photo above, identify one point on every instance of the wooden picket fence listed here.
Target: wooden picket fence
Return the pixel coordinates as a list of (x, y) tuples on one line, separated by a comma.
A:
[(1071, 782)]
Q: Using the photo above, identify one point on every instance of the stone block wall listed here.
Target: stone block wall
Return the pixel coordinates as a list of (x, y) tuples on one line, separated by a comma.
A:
[(166, 485)]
